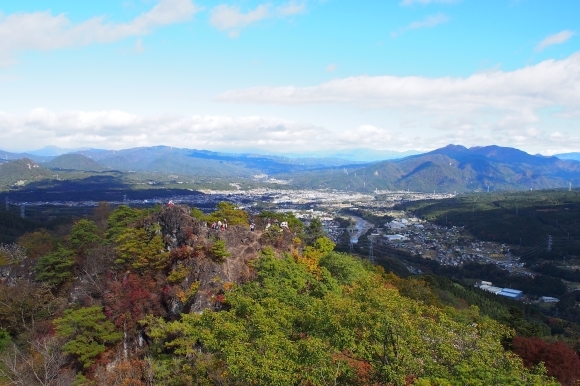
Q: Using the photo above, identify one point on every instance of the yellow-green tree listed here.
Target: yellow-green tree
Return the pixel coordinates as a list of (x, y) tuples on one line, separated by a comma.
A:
[(84, 235), (55, 268), (87, 331), (228, 211), (141, 249)]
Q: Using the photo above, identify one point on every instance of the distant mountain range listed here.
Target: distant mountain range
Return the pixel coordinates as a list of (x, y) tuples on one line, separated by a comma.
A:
[(449, 169), (54, 151), (6, 156), (572, 156), (452, 168)]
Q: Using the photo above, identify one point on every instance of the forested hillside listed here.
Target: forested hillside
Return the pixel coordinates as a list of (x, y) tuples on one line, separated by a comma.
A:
[(162, 297)]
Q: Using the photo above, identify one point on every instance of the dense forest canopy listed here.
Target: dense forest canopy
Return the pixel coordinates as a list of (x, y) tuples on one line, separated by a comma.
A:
[(156, 296)]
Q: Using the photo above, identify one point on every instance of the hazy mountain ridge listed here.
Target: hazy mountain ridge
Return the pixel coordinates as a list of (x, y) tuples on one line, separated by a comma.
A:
[(569, 156), (74, 162), (448, 169), (202, 162), (54, 151), (454, 168), (8, 156)]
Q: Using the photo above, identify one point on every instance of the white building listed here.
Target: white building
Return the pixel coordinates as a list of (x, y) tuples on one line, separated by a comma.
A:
[(392, 238), (489, 288), (395, 225)]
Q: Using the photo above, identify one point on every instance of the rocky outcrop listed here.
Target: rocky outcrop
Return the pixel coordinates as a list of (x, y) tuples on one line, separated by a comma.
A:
[(188, 236)]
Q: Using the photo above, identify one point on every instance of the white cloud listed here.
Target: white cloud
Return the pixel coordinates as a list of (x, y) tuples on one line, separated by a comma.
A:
[(226, 17), (114, 129), (429, 22), (291, 8), (504, 98), (425, 2), (44, 31), (559, 38), (118, 129), (230, 18)]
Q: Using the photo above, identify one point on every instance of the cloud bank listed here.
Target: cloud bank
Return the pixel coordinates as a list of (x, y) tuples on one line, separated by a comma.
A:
[(523, 92), (113, 129), (44, 31)]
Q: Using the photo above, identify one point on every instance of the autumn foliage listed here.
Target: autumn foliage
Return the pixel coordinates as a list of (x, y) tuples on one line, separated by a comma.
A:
[(114, 305), (560, 360), (129, 298)]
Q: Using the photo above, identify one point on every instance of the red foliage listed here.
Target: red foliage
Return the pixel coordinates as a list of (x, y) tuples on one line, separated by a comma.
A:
[(410, 380), (560, 360), (189, 232), (128, 300), (181, 253), (363, 369)]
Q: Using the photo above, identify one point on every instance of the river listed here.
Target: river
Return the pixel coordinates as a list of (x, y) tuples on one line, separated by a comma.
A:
[(361, 227)]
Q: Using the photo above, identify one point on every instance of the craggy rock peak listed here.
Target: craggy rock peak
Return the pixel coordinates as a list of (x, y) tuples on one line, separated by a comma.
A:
[(182, 232)]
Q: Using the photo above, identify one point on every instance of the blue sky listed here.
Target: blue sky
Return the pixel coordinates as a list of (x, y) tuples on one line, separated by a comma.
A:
[(290, 76)]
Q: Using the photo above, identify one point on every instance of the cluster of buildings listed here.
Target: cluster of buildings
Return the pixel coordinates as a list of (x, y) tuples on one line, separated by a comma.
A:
[(447, 245), (507, 292), (510, 293)]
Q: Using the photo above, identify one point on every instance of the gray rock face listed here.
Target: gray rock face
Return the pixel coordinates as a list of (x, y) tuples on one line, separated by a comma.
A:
[(181, 231)]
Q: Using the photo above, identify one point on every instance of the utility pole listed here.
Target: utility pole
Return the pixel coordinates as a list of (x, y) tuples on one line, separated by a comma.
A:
[(549, 243)]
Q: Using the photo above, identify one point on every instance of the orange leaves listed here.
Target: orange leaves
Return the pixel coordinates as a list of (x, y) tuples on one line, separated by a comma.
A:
[(185, 295), (311, 263)]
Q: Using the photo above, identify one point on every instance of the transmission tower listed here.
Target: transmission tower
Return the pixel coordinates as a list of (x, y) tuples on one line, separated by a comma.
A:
[(350, 246), (371, 254), (7, 204), (549, 243), (22, 208)]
